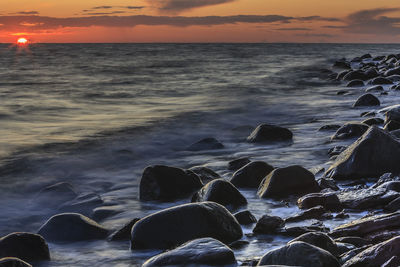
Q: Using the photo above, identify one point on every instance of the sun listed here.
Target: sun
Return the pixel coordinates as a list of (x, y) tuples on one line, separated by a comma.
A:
[(22, 41)]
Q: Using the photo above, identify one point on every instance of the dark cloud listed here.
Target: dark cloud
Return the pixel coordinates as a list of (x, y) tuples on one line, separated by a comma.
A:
[(321, 35), (293, 29), (112, 7), (180, 5), (27, 13), (334, 27), (105, 13)]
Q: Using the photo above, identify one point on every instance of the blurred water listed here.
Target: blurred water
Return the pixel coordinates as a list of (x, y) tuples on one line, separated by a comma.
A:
[(95, 115)]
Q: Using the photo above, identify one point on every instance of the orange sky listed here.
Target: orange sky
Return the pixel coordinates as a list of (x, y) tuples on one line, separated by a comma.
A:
[(190, 21)]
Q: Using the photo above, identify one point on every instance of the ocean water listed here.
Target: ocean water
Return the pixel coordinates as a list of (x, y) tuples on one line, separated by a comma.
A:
[(95, 115)]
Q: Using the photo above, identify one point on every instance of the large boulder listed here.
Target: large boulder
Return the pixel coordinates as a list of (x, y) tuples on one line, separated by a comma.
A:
[(367, 100), (269, 133), (177, 225), (221, 192), (25, 246), (251, 175), (72, 227), (375, 153), (376, 255), (283, 182), (204, 252), (13, 262), (164, 183), (268, 224), (320, 240), (299, 254), (350, 130)]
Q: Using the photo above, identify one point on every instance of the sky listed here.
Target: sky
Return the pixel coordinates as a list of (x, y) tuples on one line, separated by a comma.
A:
[(107, 21)]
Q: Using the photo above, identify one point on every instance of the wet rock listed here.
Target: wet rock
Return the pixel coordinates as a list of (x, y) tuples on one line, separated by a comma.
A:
[(164, 183), (392, 113), (394, 205), (364, 226), (393, 185), (329, 201), (55, 195), (356, 161), (13, 262), (371, 73), (368, 114), (177, 225), (299, 253), (206, 144), (392, 71), (204, 251), (376, 88), (366, 56), (25, 246), (355, 75), (251, 175), (394, 78), (83, 204), (336, 150), (320, 240), (341, 74), (269, 133), (206, 174), (348, 254), (395, 87), (373, 121), (392, 126), (245, 217), (268, 224), (350, 130), (378, 58), (339, 64), (221, 192), (344, 247), (327, 183), (356, 241), (385, 178), (342, 215), (366, 198), (342, 92), (392, 262), (72, 227), (283, 182), (367, 100), (380, 80), (355, 83), (236, 164), (300, 230), (329, 127), (376, 255), (124, 233), (317, 212), (239, 244)]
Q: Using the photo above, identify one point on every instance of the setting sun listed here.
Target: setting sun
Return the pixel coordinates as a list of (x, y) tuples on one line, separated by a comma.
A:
[(22, 41)]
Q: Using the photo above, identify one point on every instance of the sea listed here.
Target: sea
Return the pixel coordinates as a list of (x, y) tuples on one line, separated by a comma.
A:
[(95, 115)]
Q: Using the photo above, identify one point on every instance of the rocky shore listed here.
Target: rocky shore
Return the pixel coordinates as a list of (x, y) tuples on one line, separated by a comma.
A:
[(362, 176)]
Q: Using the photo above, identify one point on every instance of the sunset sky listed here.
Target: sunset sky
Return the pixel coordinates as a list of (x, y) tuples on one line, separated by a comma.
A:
[(200, 20)]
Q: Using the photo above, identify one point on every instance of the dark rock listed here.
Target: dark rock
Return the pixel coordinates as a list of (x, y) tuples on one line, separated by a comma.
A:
[(72, 227), (25, 246), (268, 224), (206, 144), (329, 201), (55, 195), (204, 251), (239, 244), (348, 254), (367, 100), (206, 174), (342, 92), (356, 59), (336, 150), (394, 205), (356, 241), (124, 233), (342, 74), (341, 64), (299, 253), (251, 175), (269, 133), (236, 164), (177, 225), (373, 121), (378, 58), (371, 73), (329, 127), (350, 130), (283, 182), (392, 71), (344, 247), (393, 185), (366, 198), (376, 88), (317, 212), (166, 183), (357, 162), (385, 178), (320, 240), (380, 80), (355, 83), (368, 114), (366, 56), (83, 204), (325, 183), (355, 75), (392, 126), (221, 192), (394, 78), (376, 255), (395, 87), (245, 217), (13, 262), (392, 113), (342, 215), (300, 230), (392, 262)]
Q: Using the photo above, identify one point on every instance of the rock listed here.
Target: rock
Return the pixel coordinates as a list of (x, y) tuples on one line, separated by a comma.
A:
[(329, 127), (13, 262), (380, 80), (206, 144), (269, 133), (300, 230), (373, 121), (371, 73), (392, 126), (221, 192), (204, 251), (392, 262), (239, 244), (376, 255), (356, 241), (177, 225), (104, 212), (25, 246), (378, 58), (342, 215), (356, 161), (376, 88), (394, 205), (320, 240), (55, 195), (394, 185), (366, 56), (392, 71), (348, 254), (355, 83), (327, 184), (339, 64), (368, 114), (343, 92), (83, 204), (336, 150), (329, 201), (367, 100), (342, 74), (395, 87), (394, 78), (251, 175), (392, 113), (124, 233), (283, 182), (268, 224), (364, 226), (245, 217), (317, 212), (236, 164), (206, 174), (366, 198), (355, 75), (385, 178), (72, 227), (350, 130), (164, 183), (299, 253)]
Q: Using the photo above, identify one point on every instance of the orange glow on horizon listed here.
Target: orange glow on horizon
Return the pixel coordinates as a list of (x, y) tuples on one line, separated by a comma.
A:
[(22, 41)]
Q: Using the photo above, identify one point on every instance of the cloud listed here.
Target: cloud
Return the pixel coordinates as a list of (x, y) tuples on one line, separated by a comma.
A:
[(112, 7), (181, 5), (27, 13), (293, 29)]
